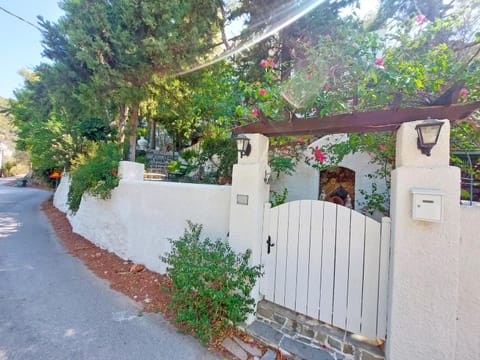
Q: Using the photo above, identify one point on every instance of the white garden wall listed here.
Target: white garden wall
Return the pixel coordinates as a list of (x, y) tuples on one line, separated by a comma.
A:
[(140, 217), (468, 315)]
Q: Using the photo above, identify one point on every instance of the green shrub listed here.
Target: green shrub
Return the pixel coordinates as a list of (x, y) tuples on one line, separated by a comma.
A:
[(95, 174), (211, 283), (278, 198)]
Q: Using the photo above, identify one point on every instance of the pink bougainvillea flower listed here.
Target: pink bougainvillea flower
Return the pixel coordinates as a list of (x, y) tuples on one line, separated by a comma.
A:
[(314, 110), (382, 147), (420, 18), (263, 63), (271, 63), (262, 91), (327, 87), (379, 63), (319, 156), (255, 112), (464, 92)]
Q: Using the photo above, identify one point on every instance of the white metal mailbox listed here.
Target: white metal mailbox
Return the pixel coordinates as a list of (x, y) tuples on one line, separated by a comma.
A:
[(427, 204)]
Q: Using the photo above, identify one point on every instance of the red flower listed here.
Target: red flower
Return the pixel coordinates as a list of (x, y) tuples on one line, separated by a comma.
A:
[(263, 63), (271, 63), (327, 87), (379, 62), (420, 18), (255, 112), (464, 92), (382, 147), (262, 91), (319, 156)]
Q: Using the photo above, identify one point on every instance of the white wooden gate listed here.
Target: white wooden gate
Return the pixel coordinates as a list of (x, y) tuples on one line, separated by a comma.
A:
[(328, 262)]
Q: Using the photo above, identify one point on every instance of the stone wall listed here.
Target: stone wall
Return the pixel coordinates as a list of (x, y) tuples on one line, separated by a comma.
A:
[(318, 334)]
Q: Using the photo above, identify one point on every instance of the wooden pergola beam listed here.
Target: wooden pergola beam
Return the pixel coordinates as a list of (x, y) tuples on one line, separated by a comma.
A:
[(358, 122)]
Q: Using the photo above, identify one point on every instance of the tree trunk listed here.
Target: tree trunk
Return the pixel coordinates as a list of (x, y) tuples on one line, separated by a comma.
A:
[(153, 140), (132, 130), (121, 124)]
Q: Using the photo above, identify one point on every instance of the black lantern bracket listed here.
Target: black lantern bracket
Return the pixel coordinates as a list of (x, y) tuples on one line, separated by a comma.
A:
[(244, 147), (428, 133)]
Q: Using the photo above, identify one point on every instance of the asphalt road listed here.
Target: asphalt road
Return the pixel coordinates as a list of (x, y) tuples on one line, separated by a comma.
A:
[(52, 307)]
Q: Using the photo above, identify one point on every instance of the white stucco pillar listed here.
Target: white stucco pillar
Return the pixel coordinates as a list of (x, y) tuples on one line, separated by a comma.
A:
[(425, 255), (249, 195), (129, 170)]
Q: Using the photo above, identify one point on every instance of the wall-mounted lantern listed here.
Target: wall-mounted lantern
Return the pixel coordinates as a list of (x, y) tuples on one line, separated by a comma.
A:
[(428, 133), (243, 145)]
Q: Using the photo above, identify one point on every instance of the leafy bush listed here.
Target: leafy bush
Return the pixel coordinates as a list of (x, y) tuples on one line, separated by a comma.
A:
[(94, 129), (221, 152), (282, 164), (278, 198), (95, 174), (211, 283)]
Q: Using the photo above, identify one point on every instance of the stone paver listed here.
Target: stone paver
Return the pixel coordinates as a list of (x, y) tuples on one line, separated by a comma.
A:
[(235, 349), (269, 355), (304, 351), (251, 349), (265, 332)]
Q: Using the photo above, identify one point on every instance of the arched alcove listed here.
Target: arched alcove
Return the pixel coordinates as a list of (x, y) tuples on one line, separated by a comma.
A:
[(336, 184)]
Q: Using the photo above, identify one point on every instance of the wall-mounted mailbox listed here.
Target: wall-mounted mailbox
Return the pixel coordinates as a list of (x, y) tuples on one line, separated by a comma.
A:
[(427, 204)]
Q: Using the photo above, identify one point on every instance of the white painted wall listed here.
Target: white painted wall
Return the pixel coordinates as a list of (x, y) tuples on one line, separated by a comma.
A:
[(246, 220), (304, 183), (425, 260), (140, 217), (468, 315)]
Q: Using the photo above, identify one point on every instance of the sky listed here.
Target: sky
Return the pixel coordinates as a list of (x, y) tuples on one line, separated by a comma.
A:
[(20, 43)]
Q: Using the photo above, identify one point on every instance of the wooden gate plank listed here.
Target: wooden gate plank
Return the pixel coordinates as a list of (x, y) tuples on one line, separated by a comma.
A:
[(303, 255), (370, 279), (264, 260), (281, 245), (328, 262), (355, 283), (292, 254), (315, 260), (383, 282), (342, 253), (270, 260)]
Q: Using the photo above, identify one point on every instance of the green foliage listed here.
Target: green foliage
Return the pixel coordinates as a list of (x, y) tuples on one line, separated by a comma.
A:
[(175, 167), (95, 174), (375, 200), (187, 163), (211, 283), (94, 129), (221, 152), (278, 198), (286, 152), (282, 164)]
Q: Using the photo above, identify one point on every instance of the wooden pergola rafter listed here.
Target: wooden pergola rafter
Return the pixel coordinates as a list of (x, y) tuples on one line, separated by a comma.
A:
[(358, 122)]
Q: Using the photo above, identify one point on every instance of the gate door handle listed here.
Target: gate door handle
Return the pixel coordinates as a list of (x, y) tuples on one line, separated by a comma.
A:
[(269, 244)]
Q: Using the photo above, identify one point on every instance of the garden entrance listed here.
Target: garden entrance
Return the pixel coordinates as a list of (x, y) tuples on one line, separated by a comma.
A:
[(328, 262)]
